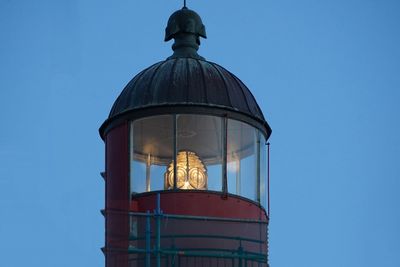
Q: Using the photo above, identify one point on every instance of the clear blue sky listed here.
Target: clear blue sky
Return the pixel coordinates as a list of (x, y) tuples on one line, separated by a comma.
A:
[(325, 73)]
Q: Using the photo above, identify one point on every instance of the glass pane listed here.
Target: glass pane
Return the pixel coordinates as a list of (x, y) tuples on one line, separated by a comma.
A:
[(242, 159), (199, 159), (151, 152)]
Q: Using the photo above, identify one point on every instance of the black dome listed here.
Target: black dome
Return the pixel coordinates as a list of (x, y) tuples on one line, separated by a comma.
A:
[(187, 82)]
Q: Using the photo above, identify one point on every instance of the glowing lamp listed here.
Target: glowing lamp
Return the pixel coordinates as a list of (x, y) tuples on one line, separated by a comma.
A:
[(190, 172)]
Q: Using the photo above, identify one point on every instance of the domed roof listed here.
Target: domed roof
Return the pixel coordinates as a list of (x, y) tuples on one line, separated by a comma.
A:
[(188, 82)]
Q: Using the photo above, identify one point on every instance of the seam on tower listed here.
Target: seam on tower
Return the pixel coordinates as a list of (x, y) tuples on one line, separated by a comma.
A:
[(224, 81), (171, 76), (151, 82), (244, 95), (204, 81)]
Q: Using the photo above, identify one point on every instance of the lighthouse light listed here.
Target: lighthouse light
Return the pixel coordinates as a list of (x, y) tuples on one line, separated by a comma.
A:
[(190, 171)]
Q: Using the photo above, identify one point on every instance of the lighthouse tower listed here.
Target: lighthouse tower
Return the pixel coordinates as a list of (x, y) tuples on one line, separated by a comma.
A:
[(186, 177)]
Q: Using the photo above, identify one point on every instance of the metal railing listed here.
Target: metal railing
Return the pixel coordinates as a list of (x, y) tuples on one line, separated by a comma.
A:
[(158, 239)]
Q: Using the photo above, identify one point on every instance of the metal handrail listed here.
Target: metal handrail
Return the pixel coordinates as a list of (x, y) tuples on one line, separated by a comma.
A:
[(201, 236), (224, 253), (190, 217)]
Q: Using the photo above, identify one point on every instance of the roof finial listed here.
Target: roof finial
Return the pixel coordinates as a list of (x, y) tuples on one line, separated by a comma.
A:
[(184, 3), (186, 27)]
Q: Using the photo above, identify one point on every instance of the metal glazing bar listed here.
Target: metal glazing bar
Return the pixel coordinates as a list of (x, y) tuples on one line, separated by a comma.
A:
[(224, 156), (238, 176), (175, 148), (148, 165), (131, 157)]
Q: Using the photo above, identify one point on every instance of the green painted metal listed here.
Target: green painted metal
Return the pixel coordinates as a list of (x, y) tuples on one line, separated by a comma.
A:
[(156, 251), (229, 254), (148, 240), (200, 236)]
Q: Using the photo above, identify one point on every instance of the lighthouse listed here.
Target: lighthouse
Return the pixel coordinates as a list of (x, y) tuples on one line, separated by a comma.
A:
[(186, 163)]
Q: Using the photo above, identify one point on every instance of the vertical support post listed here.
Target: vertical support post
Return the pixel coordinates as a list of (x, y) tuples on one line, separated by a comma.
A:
[(175, 149), (148, 164), (158, 214), (238, 176), (187, 169), (148, 234), (258, 182), (224, 157), (268, 149), (240, 253), (131, 158)]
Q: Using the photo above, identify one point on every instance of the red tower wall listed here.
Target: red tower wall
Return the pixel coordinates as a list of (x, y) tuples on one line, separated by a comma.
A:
[(199, 203), (117, 196)]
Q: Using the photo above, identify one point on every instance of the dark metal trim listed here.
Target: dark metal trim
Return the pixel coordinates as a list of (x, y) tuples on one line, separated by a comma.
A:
[(166, 109), (224, 156)]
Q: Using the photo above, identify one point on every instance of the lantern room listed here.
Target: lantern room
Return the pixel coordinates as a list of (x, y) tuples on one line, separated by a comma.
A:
[(185, 140), (203, 147)]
